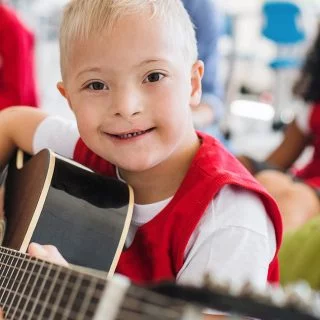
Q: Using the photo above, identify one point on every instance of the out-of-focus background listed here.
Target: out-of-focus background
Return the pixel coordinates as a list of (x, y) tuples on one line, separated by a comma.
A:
[(256, 94)]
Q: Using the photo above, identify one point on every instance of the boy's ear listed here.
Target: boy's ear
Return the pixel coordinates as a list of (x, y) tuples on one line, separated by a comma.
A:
[(196, 89), (63, 92)]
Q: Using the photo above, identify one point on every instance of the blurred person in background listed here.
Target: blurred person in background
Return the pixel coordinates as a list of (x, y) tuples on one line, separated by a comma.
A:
[(17, 68), (297, 192), (207, 19)]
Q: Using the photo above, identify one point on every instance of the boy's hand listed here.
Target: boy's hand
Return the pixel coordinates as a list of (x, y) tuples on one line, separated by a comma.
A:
[(47, 252)]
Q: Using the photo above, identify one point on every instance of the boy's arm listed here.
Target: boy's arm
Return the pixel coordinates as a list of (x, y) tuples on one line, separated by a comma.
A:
[(17, 128)]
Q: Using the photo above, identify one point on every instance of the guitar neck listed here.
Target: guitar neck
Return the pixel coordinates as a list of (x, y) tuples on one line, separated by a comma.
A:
[(35, 288)]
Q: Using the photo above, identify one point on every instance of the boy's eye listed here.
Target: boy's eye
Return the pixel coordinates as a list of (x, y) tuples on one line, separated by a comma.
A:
[(96, 85), (154, 77)]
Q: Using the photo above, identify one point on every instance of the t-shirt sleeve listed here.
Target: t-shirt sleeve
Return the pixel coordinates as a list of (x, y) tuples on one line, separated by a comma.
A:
[(303, 119), (58, 134), (234, 241)]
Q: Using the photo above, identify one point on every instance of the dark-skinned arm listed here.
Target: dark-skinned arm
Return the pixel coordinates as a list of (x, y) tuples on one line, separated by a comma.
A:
[(282, 158)]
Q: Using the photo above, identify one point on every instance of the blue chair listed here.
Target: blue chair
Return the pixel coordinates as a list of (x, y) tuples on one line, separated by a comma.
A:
[(281, 26)]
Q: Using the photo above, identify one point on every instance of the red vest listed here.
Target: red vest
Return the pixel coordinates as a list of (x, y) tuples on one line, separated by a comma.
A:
[(157, 251), (311, 172)]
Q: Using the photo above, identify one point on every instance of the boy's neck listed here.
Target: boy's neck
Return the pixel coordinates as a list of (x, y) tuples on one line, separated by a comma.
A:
[(162, 182)]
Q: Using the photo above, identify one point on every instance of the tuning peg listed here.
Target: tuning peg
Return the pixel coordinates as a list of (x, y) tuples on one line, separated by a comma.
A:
[(315, 305), (277, 295), (214, 284), (299, 294)]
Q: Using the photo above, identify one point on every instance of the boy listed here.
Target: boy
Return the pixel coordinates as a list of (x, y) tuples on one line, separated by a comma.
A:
[(130, 74)]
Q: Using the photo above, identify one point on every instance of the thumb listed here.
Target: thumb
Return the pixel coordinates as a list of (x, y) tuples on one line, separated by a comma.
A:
[(46, 252)]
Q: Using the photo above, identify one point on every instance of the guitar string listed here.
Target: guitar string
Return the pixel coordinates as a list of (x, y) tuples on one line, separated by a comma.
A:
[(155, 299), (34, 261), (21, 256), (149, 310), (58, 268), (39, 289), (162, 314), (54, 267), (131, 304), (58, 281), (23, 290)]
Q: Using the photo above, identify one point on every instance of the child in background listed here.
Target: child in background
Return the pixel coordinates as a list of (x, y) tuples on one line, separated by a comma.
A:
[(207, 18), (131, 75), (296, 191), (17, 70)]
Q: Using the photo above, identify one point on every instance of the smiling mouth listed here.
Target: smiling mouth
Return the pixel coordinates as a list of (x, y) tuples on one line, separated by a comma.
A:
[(131, 134)]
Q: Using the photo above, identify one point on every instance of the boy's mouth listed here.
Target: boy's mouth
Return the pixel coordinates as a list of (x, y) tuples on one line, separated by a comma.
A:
[(131, 134)]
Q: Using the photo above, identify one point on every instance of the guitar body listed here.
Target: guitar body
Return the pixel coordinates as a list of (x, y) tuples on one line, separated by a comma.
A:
[(52, 200)]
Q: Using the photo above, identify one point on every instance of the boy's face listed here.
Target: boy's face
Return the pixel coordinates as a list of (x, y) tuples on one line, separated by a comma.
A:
[(131, 92)]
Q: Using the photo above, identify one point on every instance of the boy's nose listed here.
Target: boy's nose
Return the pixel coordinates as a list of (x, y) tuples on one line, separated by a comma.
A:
[(126, 104)]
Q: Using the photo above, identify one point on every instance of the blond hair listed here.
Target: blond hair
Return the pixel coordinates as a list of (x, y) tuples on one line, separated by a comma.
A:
[(82, 18)]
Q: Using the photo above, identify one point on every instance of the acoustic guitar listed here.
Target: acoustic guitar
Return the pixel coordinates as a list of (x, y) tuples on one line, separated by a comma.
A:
[(50, 199), (41, 194), (32, 289)]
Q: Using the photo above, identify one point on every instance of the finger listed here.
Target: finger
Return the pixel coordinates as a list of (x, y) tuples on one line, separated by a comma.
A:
[(1, 314), (47, 252)]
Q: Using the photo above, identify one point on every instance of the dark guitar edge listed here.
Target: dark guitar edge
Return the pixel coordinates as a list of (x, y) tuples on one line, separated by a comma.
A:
[(49, 175), (42, 198)]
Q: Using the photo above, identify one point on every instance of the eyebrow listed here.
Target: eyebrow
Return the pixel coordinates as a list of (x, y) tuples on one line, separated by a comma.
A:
[(97, 69), (151, 61), (91, 69)]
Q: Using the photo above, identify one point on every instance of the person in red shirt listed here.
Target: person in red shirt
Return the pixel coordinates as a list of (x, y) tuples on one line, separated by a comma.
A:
[(17, 71), (296, 189)]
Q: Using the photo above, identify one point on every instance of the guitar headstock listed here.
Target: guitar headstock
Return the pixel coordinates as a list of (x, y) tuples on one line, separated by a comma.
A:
[(295, 302)]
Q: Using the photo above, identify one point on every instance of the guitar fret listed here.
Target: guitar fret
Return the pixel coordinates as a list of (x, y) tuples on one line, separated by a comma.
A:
[(5, 259), (56, 284), (72, 297), (28, 276), (90, 295), (36, 307), (55, 298), (17, 285), (8, 262), (48, 294), (11, 283), (31, 290), (57, 316)]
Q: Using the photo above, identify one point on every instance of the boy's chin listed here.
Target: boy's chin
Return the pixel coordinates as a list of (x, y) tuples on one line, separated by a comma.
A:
[(135, 166)]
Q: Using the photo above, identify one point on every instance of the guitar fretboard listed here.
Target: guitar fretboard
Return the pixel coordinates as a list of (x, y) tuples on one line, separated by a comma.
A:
[(34, 289)]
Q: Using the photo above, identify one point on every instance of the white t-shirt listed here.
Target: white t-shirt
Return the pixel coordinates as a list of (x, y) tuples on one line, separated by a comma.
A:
[(234, 240), (303, 119)]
